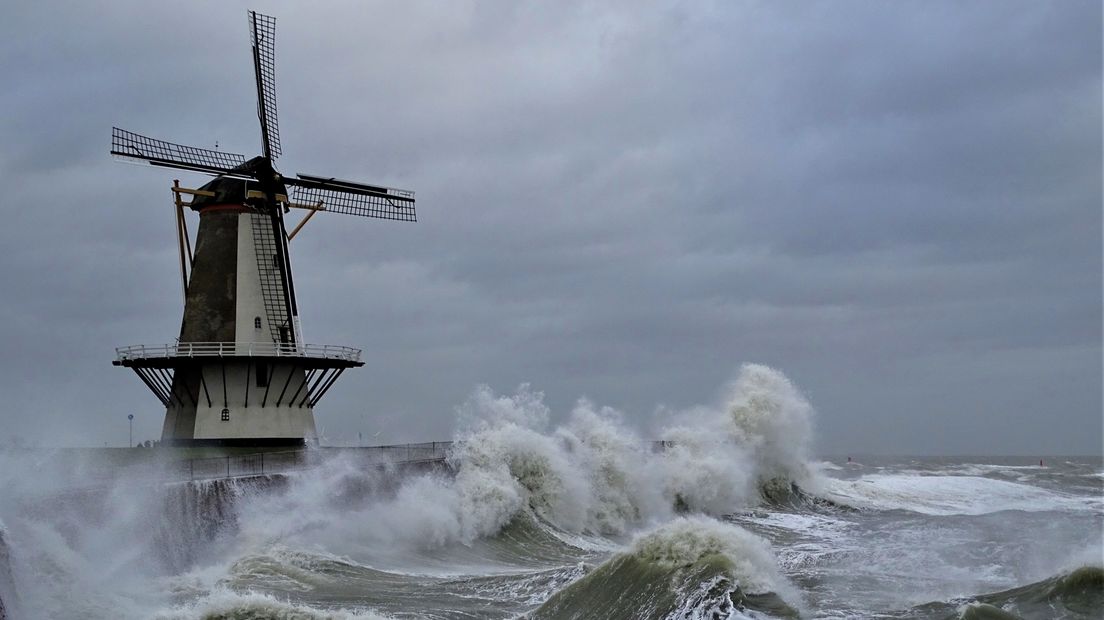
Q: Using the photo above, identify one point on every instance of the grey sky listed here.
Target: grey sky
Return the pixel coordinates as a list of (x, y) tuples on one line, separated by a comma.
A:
[(896, 204)]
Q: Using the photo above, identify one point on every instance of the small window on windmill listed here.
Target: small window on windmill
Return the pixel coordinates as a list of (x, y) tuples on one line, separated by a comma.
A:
[(256, 322), (225, 415), (262, 374)]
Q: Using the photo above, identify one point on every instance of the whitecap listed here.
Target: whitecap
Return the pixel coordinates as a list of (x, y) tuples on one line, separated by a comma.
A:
[(230, 604), (950, 495)]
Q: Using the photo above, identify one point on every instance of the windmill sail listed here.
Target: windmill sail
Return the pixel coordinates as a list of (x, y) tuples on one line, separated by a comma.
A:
[(130, 145), (350, 198), (262, 30)]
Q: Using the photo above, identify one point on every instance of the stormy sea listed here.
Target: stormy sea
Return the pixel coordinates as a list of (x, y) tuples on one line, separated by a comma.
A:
[(717, 512)]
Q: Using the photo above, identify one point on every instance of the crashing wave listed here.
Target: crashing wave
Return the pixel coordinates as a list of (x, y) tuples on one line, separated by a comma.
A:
[(691, 567), (596, 475), (1077, 594), (223, 604), (773, 419), (782, 493)]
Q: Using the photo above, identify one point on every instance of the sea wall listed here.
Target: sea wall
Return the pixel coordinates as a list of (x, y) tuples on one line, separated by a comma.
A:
[(163, 511), (196, 516)]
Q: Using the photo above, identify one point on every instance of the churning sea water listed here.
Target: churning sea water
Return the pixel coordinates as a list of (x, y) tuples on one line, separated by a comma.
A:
[(730, 518)]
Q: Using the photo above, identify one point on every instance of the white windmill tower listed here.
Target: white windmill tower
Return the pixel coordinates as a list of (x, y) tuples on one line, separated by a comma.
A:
[(239, 373)]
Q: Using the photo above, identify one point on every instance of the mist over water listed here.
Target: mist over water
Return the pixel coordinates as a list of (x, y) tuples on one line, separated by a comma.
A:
[(718, 511)]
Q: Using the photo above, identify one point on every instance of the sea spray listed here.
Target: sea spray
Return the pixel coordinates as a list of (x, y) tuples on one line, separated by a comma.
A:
[(701, 469), (199, 518), (611, 455), (503, 438), (589, 475), (687, 568), (82, 553), (772, 419), (341, 505), (596, 474)]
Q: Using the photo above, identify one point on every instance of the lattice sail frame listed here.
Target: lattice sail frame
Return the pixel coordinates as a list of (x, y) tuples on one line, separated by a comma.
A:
[(130, 145), (332, 200), (262, 31)]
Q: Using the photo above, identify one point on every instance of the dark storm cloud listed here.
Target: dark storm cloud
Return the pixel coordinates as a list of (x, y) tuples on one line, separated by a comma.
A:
[(899, 205)]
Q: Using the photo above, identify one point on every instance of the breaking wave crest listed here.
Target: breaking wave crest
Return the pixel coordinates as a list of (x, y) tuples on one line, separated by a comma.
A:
[(691, 567), (224, 604), (1076, 594), (596, 475)]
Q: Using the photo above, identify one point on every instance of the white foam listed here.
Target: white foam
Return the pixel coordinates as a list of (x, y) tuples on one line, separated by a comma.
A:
[(814, 538), (708, 602), (950, 495), (227, 603), (809, 524), (686, 540), (986, 469)]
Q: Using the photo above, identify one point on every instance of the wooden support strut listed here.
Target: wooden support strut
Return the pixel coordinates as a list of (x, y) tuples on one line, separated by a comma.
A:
[(188, 243), (303, 222), (183, 240), (255, 193), (180, 238)]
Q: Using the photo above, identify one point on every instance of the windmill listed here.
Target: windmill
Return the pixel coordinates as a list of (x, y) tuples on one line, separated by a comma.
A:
[(240, 374)]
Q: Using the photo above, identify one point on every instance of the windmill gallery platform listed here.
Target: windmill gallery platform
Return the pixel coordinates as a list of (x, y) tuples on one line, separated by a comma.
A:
[(239, 374)]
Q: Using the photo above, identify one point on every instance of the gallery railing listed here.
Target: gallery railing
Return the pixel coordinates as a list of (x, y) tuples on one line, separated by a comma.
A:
[(236, 349)]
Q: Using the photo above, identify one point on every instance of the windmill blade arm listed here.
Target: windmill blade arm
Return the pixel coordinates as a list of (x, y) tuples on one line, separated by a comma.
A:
[(350, 198), (262, 32), (129, 145), (352, 187)]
